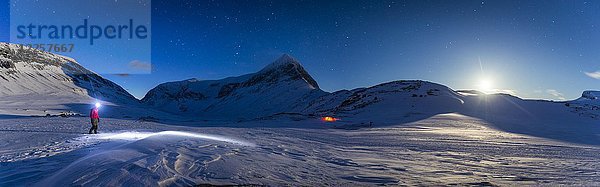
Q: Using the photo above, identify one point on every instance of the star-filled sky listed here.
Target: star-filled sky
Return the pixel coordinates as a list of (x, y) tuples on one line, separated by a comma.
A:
[(532, 49)]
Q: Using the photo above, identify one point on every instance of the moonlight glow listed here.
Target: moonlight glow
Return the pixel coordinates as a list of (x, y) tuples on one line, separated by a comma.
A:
[(485, 85)]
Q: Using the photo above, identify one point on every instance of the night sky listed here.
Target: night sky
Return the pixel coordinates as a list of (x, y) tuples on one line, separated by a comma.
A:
[(533, 49)]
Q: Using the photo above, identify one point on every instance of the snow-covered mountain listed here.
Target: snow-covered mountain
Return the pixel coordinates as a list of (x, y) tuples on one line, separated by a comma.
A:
[(36, 80), (396, 100), (409, 100), (282, 86), (591, 95), (25, 71), (587, 105)]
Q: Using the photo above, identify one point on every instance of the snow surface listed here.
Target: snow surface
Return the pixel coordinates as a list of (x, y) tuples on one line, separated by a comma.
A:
[(444, 149)]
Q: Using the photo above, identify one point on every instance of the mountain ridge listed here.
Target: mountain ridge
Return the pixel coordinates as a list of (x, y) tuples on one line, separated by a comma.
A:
[(281, 86), (25, 70)]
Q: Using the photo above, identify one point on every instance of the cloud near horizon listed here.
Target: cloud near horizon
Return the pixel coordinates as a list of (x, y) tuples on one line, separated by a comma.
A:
[(122, 74), (595, 75), (140, 65), (505, 91), (556, 94)]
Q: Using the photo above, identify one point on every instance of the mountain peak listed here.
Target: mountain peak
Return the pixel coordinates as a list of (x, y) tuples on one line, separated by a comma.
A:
[(287, 57), (192, 80), (285, 67), (283, 61)]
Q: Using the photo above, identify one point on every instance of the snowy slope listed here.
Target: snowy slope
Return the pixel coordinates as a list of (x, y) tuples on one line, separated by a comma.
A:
[(283, 86), (591, 95), (587, 105), (24, 71), (402, 102), (284, 89), (39, 83), (392, 101), (399, 101)]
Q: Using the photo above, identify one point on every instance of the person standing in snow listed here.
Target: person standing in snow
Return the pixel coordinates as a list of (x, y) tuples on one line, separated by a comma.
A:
[(95, 119)]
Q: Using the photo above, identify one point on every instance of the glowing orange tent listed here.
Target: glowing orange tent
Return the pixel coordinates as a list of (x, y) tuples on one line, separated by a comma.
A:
[(329, 119)]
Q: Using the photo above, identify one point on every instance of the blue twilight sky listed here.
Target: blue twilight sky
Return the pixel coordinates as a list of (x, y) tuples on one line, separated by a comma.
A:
[(533, 49)]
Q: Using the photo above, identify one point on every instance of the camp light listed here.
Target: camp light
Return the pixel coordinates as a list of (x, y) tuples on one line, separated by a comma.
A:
[(329, 119)]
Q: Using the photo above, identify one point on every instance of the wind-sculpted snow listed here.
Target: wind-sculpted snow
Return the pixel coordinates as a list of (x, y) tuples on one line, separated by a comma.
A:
[(447, 149)]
